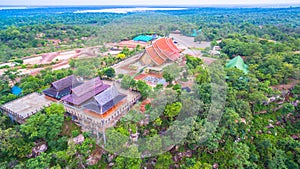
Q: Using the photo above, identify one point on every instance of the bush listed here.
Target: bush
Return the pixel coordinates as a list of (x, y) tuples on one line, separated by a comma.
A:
[(86, 134), (4, 67), (120, 76), (75, 133), (20, 61), (68, 118), (176, 87)]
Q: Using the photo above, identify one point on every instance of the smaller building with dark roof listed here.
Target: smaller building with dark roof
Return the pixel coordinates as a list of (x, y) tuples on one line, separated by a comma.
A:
[(62, 87)]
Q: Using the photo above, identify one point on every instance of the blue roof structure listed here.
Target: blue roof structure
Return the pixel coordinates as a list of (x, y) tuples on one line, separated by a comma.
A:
[(144, 38), (16, 90), (195, 33)]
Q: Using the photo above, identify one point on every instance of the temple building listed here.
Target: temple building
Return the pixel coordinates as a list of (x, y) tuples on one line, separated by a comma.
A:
[(85, 92), (62, 87), (162, 50), (94, 105), (104, 101)]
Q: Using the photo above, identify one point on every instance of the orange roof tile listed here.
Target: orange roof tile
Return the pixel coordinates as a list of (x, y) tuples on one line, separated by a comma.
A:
[(172, 45), (164, 47), (159, 53), (140, 77), (143, 105), (154, 56), (161, 50)]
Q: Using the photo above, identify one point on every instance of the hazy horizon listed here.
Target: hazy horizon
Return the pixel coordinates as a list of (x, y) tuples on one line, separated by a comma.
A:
[(147, 3), (153, 6)]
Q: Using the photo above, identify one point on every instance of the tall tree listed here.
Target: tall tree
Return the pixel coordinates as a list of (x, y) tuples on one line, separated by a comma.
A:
[(171, 72)]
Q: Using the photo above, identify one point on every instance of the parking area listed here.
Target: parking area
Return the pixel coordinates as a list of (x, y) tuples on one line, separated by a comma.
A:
[(188, 42)]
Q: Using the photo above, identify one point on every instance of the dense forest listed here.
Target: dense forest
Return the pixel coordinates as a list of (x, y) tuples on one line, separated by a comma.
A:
[(37, 31), (258, 125)]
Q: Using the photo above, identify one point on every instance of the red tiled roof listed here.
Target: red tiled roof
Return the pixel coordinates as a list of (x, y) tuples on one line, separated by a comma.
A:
[(143, 105), (164, 46), (159, 53), (154, 56), (172, 45), (163, 49), (140, 77)]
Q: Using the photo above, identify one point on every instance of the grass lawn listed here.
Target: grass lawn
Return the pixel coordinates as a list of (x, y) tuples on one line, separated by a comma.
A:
[(193, 48)]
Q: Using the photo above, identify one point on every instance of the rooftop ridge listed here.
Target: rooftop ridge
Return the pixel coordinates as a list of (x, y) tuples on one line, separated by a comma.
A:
[(163, 41), (105, 100), (107, 95), (172, 45), (159, 53), (87, 86), (64, 82), (151, 53)]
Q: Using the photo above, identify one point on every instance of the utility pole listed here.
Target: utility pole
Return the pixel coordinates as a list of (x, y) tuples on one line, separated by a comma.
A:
[(97, 130), (104, 136)]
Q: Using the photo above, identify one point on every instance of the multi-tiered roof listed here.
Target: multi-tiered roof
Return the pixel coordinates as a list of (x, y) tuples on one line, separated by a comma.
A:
[(62, 87), (161, 51), (105, 100), (85, 91)]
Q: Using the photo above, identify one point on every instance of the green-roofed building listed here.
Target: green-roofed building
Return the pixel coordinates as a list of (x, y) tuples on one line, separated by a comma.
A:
[(238, 63)]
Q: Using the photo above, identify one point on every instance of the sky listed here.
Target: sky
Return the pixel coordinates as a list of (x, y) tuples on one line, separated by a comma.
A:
[(143, 2)]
